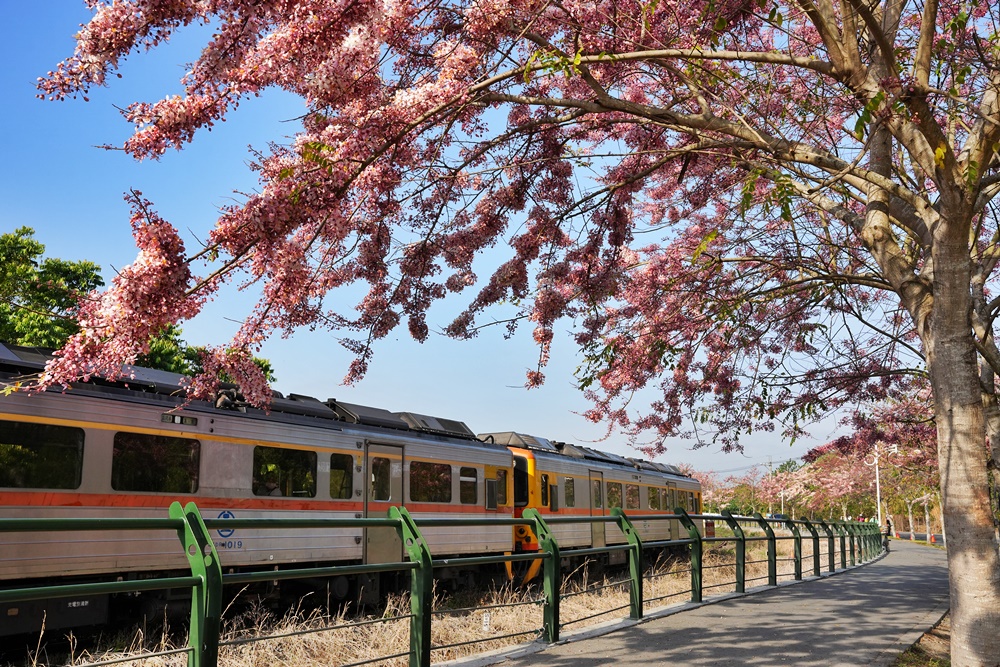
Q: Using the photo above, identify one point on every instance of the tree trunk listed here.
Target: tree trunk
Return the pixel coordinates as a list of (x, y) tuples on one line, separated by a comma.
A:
[(973, 557)]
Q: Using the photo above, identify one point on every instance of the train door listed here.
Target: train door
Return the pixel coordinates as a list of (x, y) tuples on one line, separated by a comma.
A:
[(597, 508), (383, 489)]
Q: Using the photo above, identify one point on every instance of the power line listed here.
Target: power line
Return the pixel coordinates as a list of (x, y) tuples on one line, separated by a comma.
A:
[(747, 467)]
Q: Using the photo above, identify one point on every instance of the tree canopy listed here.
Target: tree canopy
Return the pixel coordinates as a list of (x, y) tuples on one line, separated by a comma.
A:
[(39, 295), (40, 298), (763, 209)]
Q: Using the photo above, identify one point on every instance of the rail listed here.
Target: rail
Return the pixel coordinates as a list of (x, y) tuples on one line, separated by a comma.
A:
[(857, 542)]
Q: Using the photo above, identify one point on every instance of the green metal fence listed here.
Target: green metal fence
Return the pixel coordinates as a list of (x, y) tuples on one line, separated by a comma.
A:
[(855, 543)]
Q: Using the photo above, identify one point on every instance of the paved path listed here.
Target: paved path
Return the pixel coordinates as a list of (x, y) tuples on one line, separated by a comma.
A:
[(866, 615)]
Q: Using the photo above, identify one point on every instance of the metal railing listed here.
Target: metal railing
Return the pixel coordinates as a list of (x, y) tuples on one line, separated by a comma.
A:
[(857, 542)]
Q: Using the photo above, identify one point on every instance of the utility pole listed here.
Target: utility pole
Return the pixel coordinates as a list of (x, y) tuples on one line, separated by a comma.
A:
[(878, 487), (770, 473)]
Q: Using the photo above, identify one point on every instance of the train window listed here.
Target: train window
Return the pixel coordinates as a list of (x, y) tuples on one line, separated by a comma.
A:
[(430, 482), (341, 476), (155, 463), (468, 486), (40, 456), (596, 494), (284, 472), (545, 491), (614, 494), (631, 496), (654, 498), (491, 494), (381, 488), (569, 492), (520, 481), (501, 487)]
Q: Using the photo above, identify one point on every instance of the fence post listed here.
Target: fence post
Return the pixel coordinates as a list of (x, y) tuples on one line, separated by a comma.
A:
[(852, 535), (797, 542), (842, 532), (635, 564), (741, 551), (815, 541), (421, 587), (696, 552), (206, 604), (552, 574), (772, 550), (831, 554)]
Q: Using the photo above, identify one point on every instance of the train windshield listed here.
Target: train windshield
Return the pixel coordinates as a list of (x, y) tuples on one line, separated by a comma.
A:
[(520, 481)]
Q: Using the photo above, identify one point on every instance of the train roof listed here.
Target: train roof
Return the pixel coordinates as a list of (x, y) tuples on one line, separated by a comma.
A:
[(139, 382), (538, 444), (149, 384)]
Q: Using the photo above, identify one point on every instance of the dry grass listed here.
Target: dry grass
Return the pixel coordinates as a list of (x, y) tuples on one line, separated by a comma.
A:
[(514, 616), (933, 649)]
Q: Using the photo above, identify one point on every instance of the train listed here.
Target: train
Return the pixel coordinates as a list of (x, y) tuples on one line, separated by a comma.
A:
[(131, 446)]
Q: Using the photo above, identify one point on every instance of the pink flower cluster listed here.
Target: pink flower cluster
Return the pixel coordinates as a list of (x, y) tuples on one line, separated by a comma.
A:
[(686, 182), (116, 326)]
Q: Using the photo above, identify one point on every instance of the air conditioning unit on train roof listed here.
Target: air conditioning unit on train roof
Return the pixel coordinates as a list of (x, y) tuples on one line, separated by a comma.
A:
[(299, 404), (668, 468), (431, 424), (606, 457), (21, 357), (642, 464), (514, 439), (163, 382), (362, 414), (571, 450)]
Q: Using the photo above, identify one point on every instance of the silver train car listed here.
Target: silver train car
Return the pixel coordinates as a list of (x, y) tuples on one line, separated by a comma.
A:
[(130, 448)]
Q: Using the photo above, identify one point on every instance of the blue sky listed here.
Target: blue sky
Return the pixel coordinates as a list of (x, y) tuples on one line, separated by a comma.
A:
[(56, 180)]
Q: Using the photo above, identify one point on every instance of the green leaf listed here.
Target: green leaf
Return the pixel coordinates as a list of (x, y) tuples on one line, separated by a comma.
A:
[(703, 246), (972, 175), (865, 115), (527, 66)]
